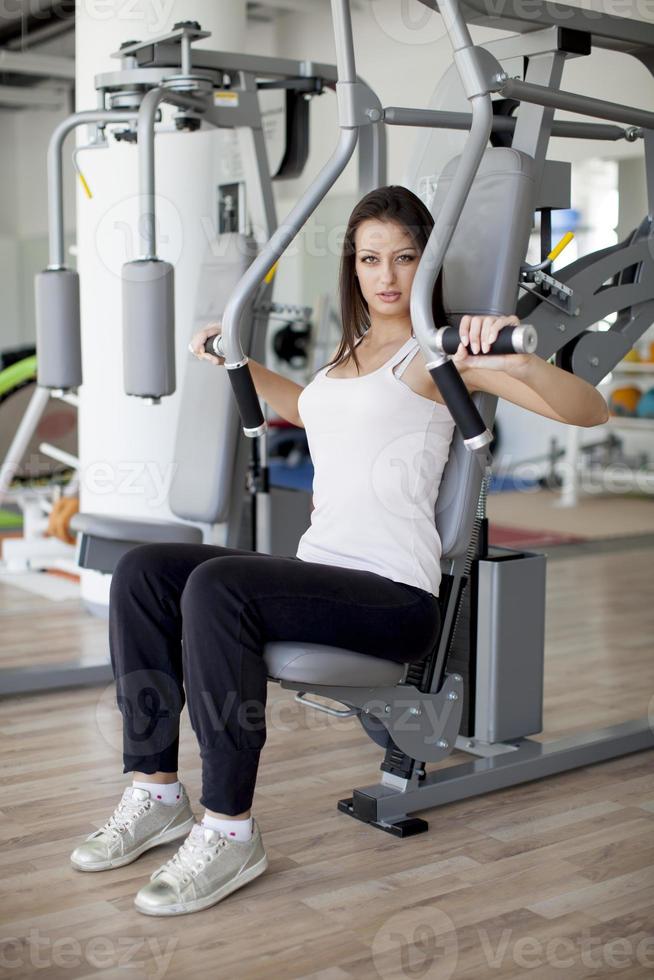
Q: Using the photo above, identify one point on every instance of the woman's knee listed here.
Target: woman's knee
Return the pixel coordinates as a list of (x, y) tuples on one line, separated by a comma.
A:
[(211, 578), (135, 563)]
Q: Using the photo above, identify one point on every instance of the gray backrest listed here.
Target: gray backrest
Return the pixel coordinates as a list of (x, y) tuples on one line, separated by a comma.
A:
[(209, 425), (480, 276)]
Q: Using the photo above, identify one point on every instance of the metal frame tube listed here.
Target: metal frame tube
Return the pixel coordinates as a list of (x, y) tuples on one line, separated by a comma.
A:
[(55, 173), (279, 242), (343, 41), (314, 194), (432, 258), (441, 119), (145, 134), (513, 88), (26, 429)]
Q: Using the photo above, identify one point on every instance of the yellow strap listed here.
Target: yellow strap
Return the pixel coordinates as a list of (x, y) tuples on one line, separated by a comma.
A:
[(271, 272), (86, 187), (556, 251)]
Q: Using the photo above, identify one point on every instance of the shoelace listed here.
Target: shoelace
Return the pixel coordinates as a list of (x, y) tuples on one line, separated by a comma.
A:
[(192, 857), (126, 811)]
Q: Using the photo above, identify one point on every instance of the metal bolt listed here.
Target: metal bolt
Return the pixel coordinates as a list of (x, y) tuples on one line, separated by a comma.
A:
[(452, 696), (456, 677), (373, 114), (470, 744), (561, 327), (442, 743), (577, 311), (387, 708), (414, 711), (594, 361), (500, 78)]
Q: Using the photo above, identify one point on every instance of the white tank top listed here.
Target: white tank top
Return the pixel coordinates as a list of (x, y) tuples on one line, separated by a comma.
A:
[(378, 450)]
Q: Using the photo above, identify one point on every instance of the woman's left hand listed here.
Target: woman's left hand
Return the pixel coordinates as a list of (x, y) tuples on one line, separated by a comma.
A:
[(477, 333)]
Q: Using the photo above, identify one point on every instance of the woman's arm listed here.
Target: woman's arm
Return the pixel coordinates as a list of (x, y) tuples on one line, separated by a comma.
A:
[(526, 379), (280, 393)]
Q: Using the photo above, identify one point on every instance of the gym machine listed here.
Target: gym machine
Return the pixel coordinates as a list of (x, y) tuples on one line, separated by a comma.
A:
[(481, 689)]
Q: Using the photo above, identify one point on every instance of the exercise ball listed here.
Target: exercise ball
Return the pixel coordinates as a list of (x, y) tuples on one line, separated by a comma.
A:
[(645, 407), (623, 401), (632, 356)]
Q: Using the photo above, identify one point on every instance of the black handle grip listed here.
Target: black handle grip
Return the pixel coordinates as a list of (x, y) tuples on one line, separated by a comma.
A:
[(209, 345), (521, 339), (462, 408), (247, 400)]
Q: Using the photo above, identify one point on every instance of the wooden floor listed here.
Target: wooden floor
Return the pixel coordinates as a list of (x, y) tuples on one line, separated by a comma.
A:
[(553, 879)]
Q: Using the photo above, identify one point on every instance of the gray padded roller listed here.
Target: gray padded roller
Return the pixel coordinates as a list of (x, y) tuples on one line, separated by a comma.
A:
[(481, 269), (58, 345), (148, 328)]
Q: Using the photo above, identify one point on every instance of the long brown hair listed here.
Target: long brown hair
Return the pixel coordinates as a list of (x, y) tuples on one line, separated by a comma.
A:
[(393, 203)]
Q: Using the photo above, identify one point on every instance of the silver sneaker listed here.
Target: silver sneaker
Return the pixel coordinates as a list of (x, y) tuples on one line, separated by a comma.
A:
[(137, 824), (207, 868)]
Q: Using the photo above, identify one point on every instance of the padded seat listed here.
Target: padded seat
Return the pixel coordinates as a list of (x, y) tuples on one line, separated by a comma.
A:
[(143, 530), (317, 663), (104, 539)]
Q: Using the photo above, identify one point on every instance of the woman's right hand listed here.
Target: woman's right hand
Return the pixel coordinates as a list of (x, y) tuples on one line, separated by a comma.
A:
[(198, 340)]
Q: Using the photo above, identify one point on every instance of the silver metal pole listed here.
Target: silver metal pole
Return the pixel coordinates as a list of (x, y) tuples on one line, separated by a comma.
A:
[(513, 88), (21, 440), (279, 242), (145, 133), (441, 119), (55, 178), (433, 256), (343, 41)]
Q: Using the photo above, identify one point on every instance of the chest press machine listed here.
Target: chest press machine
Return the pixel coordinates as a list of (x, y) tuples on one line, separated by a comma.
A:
[(481, 688)]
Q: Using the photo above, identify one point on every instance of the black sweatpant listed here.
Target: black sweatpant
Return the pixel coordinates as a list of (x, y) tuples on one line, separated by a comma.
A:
[(188, 625)]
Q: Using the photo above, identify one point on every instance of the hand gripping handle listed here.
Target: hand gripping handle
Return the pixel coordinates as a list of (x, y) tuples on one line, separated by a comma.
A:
[(243, 387), (522, 339)]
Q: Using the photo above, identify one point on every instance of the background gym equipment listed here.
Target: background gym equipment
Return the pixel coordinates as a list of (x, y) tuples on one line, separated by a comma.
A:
[(38, 450), (214, 460)]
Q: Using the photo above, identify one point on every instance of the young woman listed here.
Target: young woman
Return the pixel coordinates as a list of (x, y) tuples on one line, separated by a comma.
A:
[(188, 623)]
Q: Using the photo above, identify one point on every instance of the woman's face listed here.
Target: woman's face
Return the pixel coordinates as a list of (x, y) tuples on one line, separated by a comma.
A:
[(386, 261)]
